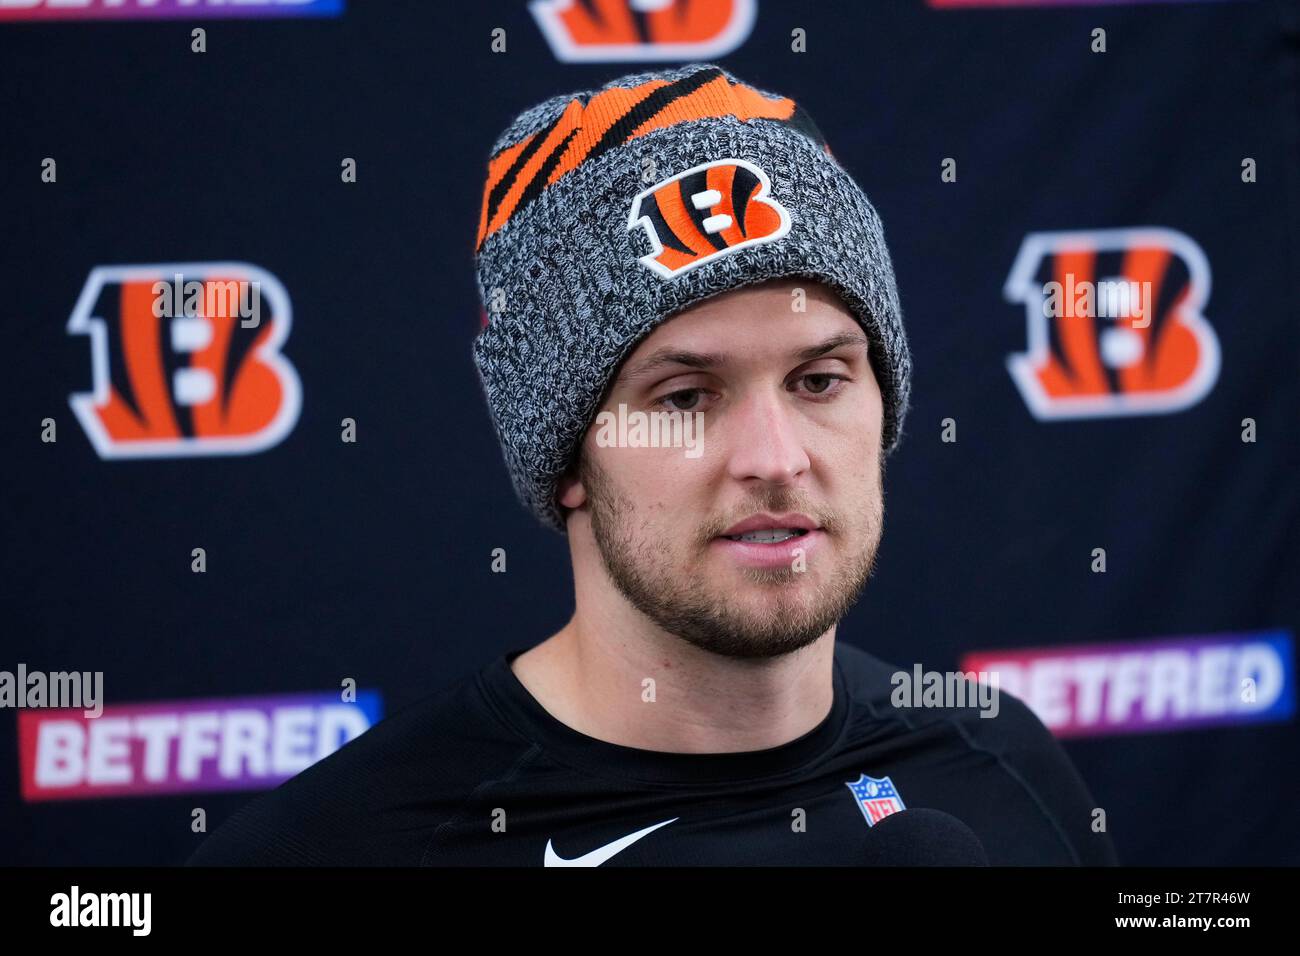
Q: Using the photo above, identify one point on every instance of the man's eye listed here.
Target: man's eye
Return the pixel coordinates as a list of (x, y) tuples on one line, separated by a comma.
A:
[(822, 383), (683, 400)]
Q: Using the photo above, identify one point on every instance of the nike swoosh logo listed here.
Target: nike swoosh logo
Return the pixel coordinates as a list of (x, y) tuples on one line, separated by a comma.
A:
[(599, 856)]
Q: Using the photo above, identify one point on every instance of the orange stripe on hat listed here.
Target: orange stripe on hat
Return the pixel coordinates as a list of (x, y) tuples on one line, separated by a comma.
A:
[(581, 129)]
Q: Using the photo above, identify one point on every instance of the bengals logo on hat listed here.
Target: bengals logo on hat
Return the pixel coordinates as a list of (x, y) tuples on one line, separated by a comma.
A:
[(606, 30), (185, 360), (1114, 323), (709, 211)]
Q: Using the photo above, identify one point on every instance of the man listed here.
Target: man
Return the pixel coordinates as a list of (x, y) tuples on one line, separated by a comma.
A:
[(680, 248)]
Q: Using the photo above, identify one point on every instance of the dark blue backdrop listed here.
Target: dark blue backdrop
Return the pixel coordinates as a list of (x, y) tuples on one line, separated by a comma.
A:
[(371, 559)]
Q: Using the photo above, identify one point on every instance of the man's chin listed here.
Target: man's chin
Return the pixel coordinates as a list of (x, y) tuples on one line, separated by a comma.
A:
[(731, 579), (779, 616), (749, 637)]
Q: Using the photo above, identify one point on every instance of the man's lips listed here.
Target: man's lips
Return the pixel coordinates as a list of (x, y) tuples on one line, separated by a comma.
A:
[(773, 553), (766, 522), (769, 540)]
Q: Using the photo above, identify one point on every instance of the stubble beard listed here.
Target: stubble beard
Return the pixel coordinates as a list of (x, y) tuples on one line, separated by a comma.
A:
[(791, 613)]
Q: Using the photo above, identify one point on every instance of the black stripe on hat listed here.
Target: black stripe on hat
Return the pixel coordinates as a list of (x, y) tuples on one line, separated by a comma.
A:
[(503, 185), (801, 121), (648, 109), (538, 182)]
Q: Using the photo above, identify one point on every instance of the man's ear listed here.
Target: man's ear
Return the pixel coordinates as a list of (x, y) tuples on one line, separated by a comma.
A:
[(569, 490)]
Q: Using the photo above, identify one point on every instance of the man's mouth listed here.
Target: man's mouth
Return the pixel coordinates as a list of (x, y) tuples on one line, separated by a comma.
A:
[(767, 535), (768, 528), (768, 540)]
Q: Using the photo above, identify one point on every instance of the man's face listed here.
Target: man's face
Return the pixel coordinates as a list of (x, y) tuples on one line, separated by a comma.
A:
[(791, 433)]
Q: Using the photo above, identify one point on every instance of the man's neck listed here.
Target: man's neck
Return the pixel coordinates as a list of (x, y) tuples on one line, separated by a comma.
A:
[(631, 683)]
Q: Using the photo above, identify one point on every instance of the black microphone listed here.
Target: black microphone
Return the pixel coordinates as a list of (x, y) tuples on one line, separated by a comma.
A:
[(922, 837)]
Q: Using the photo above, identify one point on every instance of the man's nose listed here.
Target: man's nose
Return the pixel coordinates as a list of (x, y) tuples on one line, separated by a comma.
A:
[(764, 440)]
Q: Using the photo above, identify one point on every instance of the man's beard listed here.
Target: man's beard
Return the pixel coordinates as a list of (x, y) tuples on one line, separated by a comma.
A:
[(645, 576)]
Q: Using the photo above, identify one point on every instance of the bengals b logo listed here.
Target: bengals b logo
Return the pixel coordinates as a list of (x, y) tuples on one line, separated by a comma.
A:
[(185, 360), (605, 30), (710, 210), (1114, 323)]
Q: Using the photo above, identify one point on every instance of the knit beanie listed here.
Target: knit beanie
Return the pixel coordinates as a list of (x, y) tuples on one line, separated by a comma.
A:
[(608, 211)]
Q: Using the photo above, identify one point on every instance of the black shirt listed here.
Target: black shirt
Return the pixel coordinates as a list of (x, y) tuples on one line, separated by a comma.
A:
[(481, 774)]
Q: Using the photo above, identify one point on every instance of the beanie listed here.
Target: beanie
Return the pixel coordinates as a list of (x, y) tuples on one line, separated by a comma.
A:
[(608, 211)]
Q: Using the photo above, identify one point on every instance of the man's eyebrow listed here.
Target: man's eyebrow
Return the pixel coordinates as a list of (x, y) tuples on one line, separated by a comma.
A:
[(830, 345), (668, 356)]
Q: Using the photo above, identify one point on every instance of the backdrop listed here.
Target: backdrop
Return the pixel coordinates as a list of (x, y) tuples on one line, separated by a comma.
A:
[(237, 520)]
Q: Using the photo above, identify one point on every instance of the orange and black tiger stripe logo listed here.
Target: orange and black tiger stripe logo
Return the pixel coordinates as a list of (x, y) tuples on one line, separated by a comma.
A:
[(709, 211), (587, 31), (186, 360), (1116, 323), (587, 129)]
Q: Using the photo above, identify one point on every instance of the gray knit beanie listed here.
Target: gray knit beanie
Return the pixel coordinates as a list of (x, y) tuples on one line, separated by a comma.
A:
[(608, 211)]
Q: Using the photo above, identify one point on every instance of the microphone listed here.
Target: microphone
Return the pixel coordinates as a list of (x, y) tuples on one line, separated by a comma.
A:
[(922, 837)]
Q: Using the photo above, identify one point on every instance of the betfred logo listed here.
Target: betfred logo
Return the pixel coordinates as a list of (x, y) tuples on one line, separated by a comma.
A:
[(586, 31), (1115, 323), (185, 360), (133, 750), (1150, 686), (709, 211)]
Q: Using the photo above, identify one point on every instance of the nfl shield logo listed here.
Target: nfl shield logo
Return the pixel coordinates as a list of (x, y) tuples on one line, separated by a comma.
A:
[(877, 798)]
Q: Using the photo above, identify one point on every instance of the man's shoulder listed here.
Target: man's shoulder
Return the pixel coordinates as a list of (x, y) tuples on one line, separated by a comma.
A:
[(954, 712), (917, 697), (365, 802)]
